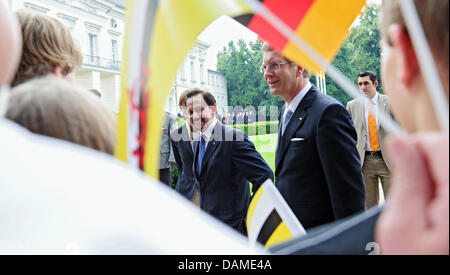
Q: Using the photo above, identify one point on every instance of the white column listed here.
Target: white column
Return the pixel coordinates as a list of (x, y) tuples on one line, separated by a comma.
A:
[(317, 81)]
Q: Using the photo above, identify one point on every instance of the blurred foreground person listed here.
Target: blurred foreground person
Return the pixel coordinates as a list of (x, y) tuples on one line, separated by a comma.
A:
[(371, 136), (59, 198), (416, 218), (55, 108), (48, 48), (9, 47)]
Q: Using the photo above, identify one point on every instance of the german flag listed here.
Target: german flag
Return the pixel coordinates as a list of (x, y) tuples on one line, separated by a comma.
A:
[(160, 33), (270, 221), (323, 24), (133, 110)]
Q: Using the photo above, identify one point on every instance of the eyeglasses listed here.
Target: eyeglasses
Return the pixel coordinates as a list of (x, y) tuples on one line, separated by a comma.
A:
[(273, 67)]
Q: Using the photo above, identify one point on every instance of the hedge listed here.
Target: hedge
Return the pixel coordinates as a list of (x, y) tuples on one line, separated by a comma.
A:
[(259, 128)]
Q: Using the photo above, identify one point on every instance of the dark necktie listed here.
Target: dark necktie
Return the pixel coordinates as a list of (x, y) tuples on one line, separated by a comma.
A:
[(201, 153), (286, 119)]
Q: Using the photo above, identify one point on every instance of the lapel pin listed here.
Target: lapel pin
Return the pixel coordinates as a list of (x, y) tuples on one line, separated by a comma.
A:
[(301, 119)]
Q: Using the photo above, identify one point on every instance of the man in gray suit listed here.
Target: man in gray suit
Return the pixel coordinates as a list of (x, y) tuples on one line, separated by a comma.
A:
[(371, 136), (166, 159)]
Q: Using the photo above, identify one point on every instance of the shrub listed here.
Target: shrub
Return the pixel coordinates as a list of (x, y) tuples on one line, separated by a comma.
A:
[(259, 128), (175, 175)]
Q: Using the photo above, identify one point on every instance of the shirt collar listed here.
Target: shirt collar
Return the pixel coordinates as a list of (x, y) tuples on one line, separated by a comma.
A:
[(375, 98), (208, 132), (298, 98)]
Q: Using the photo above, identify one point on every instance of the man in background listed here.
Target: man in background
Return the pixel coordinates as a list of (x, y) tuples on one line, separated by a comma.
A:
[(371, 136)]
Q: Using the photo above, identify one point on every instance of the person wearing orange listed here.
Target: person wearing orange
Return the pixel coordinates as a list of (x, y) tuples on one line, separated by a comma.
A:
[(371, 136)]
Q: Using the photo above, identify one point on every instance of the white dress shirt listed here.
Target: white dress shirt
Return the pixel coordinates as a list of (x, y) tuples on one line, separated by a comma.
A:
[(294, 103)]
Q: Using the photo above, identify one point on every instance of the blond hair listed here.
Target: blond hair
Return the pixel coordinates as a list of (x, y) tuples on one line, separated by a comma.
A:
[(54, 107), (182, 99), (47, 44)]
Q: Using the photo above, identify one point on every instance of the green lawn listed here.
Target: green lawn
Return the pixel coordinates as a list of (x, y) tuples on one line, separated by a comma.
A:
[(266, 146)]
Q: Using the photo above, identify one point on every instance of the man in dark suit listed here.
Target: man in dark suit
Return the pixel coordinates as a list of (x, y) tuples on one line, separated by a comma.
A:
[(318, 168), (225, 160), (184, 155)]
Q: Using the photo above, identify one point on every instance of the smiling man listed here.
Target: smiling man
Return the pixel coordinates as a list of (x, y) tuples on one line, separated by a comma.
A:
[(371, 136), (225, 160), (318, 169)]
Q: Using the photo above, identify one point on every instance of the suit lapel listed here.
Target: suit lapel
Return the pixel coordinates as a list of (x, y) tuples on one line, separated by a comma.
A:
[(297, 120), (380, 106), (280, 129), (362, 113), (380, 109), (383, 107)]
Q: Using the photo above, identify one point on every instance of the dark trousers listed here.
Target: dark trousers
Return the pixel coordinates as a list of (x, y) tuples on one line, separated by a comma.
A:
[(165, 176)]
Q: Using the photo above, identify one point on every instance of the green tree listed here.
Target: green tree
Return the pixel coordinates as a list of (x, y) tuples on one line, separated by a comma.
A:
[(246, 86)]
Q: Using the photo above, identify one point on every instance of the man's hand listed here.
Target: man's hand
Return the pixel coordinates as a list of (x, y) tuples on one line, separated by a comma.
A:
[(416, 217)]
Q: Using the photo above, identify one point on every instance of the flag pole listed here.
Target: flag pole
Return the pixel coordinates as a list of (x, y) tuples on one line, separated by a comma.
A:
[(317, 81)]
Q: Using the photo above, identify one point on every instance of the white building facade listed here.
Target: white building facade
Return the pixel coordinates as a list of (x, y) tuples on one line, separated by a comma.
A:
[(98, 26), (194, 73)]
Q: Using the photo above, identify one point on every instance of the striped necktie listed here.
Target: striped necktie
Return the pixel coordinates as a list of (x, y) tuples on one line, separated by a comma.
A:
[(286, 119)]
